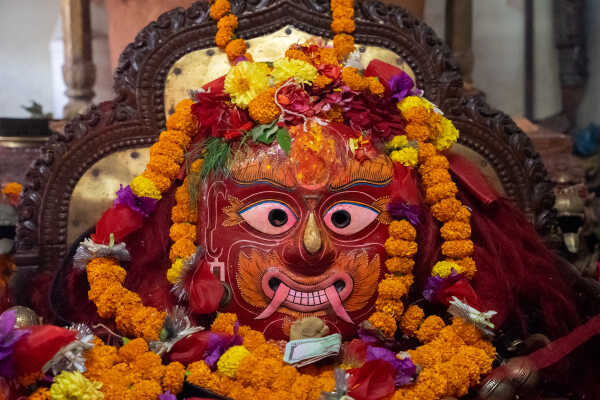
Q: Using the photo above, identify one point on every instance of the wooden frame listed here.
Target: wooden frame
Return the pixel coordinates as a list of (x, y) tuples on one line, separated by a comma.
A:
[(136, 116)]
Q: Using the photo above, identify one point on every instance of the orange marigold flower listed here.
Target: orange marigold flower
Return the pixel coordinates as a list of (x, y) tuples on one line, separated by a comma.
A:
[(29, 379), (375, 86), (342, 12), (286, 378), (426, 150), (391, 307), (182, 195), (145, 390), (295, 54), (322, 81), (235, 49), (392, 288), (223, 36), (107, 302), (468, 332), (161, 182), (199, 374), (334, 114), (399, 265), (301, 387), (169, 149), (133, 349), (455, 230), (268, 350), (430, 328), (487, 347), (101, 357), (128, 299), (343, 44), (177, 137), (411, 320), (183, 248), (229, 21), (263, 109), (443, 190), (446, 209), (328, 55), (434, 162), (386, 323), (163, 165), (431, 382), (183, 120), (182, 231), (435, 176), (402, 230), (343, 25), (467, 266), (150, 365), (197, 166), (183, 213), (41, 393), (148, 322), (12, 189), (416, 131), (457, 248), (401, 248), (354, 80), (463, 215), (418, 114), (105, 268), (219, 9), (224, 323), (253, 339)]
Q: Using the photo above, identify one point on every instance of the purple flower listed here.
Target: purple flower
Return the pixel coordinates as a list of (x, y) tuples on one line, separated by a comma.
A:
[(435, 284), (167, 396), (406, 371), (141, 205), (9, 336), (399, 209), (401, 86), (218, 344)]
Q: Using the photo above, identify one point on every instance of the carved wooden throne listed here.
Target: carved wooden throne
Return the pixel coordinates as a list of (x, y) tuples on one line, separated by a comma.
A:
[(75, 178)]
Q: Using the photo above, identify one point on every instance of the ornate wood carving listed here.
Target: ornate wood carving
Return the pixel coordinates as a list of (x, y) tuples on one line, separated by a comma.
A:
[(136, 116)]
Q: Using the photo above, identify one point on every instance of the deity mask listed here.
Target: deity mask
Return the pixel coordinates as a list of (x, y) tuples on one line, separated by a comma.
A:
[(291, 245)]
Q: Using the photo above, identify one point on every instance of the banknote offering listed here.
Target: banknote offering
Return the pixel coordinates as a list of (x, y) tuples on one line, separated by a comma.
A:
[(307, 351)]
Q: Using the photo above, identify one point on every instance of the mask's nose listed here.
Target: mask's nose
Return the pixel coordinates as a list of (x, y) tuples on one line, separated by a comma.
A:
[(312, 235)]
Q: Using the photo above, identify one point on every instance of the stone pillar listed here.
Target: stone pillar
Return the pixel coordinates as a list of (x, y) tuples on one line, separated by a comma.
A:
[(79, 71)]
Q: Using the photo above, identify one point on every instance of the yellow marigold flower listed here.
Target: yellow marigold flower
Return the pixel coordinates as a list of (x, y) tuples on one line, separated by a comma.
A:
[(245, 81), (182, 231), (411, 320), (426, 150), (74, 386), (253, 339), (144, 187), (183, 120), (145, 390), (467, 266), (430, 328), (418, 132), (295, 54), (342, 12), (343, 44), (343, 25), (177, 137), (286, 68), (12, 189), (455, 230), (161, 182), (174, 273), (224, 323), (375, 86), (444, 268), (435, 176), (399, 265), (407, 156), (235, 49), (229, 21), (230, 360), (183, 248), (447, 136), (391, 307), (386, 323), (263, 109), (223, 36), (446, 209), (418, 114), (440, 191), (457, 248), (354, 80), (163, 165), (397, 142), (322, 81), (219, 9), (414, 101), (401, 248), (402, 230), (183, 213), (133, 349), (40, 394), (392, 289)]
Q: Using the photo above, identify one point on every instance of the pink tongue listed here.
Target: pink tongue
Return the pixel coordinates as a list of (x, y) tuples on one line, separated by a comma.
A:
[(336, 304), (278, 298)]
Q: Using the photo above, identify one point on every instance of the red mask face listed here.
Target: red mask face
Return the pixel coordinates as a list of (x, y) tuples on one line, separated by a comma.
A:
[(290, 251)]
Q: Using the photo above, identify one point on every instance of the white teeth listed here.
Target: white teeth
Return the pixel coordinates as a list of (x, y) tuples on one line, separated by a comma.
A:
[(307, 298)]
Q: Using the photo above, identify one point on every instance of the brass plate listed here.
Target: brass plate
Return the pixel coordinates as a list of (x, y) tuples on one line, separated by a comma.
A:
[(96, 189), (199, 67)]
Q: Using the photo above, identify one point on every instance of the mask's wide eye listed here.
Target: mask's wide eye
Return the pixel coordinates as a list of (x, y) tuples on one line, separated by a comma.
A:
[(269, 216), (348, 218)]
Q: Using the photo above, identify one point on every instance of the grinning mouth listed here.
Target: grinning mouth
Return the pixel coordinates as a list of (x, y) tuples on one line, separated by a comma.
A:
[(329, 292)]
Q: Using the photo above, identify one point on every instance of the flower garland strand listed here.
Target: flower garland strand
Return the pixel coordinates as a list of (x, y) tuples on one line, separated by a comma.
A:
[(227, 23)]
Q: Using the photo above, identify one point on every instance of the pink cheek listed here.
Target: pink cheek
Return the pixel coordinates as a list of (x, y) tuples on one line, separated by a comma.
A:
[(258, 218)]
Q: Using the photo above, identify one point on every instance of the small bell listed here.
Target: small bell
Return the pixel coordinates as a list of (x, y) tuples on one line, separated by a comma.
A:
[(25, 316)]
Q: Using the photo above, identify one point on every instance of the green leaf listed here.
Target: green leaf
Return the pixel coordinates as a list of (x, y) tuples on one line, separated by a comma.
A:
[(284, 140), (216, 154), (264, 133)]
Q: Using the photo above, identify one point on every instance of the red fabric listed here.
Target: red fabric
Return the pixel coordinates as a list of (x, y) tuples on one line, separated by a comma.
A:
[(374, 380), (218, 85), (205, 290), (37, 348), (190, 349), (463, 291), (383, 71), (472, 178), (405, 184), (119, 220)]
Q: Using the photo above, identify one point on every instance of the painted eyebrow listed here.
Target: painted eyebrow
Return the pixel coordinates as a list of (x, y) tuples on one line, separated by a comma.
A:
[(265, 171), (357, 182), (378, 172)]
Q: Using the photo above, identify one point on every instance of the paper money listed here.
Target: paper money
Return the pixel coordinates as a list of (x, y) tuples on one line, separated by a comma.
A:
[(307, 351)]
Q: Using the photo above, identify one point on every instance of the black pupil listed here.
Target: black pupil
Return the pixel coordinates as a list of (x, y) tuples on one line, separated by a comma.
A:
[(278, 217), (340, 219)]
